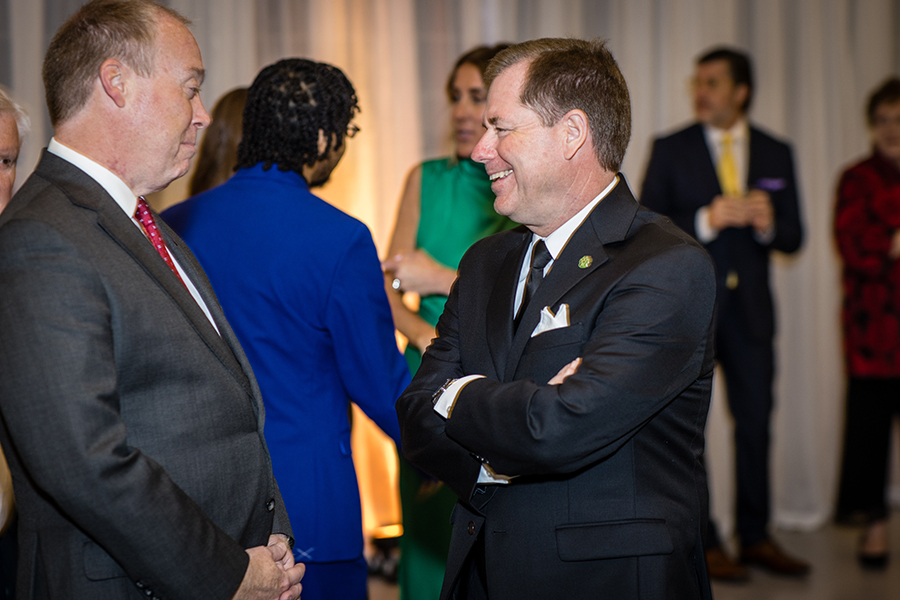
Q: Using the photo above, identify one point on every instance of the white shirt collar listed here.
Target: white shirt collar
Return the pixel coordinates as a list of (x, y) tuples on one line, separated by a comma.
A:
[(108, 180), (739, 132), (557, 240)]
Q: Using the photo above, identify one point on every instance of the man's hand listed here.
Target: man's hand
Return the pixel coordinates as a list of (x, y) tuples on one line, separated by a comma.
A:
[(727, 211), (567, 370), (266, 579), (280, 547), (760, 212)]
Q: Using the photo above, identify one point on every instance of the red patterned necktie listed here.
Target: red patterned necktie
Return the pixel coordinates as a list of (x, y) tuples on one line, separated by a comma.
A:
[(142, 214)]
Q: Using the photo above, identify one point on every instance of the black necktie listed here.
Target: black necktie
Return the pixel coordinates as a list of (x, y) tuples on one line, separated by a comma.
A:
[(540, 257)]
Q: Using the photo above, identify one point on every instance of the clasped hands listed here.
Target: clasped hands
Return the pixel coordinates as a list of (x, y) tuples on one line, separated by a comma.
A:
[(272, 573), (753, 210)]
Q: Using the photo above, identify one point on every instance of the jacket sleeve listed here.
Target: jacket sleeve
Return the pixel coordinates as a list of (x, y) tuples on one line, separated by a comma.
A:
[(785, 201), (58, 360), (359, 320), (648, 344), (425, 440)]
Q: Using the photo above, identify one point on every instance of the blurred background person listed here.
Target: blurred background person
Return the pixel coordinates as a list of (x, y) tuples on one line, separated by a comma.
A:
[(446, 206), (867, 230), (301, 284), (732, 186), (217, 157), (14, 126)]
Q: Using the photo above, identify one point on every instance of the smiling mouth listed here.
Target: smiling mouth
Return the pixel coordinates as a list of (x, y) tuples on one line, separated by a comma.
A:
[(501, 175)]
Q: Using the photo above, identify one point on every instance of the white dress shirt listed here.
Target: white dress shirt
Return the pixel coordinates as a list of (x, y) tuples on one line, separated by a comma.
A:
[(740, 150)]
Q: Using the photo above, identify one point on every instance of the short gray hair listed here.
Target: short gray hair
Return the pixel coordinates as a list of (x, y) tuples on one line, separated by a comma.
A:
[(8, 105)]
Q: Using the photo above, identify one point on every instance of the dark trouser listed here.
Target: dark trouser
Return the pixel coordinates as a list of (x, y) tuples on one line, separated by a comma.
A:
[(748, 366), (871, 406)]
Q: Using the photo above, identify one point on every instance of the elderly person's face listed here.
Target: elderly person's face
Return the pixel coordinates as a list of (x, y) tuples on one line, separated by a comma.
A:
[(9, 155), (886, 130)]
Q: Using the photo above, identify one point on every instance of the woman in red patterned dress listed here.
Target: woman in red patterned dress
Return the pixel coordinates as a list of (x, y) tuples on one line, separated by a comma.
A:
[(867, 229)]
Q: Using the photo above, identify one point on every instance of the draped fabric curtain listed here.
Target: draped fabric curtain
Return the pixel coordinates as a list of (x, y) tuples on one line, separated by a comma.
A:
[(815, 63)]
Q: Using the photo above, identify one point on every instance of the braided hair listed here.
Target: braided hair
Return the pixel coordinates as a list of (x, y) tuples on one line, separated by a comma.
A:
[(287, 105)]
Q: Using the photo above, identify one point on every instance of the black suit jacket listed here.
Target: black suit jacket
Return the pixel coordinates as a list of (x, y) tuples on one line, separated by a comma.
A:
[(133, 430), (610, 494), (681, 178)]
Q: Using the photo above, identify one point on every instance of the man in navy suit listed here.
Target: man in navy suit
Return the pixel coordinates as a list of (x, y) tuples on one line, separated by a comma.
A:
[(578, 349), (301, 284), (733, 188)]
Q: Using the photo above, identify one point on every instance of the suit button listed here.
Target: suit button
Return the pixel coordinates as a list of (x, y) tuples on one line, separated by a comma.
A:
[(270, 505), (471, 528)]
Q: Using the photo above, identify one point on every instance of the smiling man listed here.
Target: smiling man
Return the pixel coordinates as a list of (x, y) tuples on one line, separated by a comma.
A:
[(131, 418), (565, 397)]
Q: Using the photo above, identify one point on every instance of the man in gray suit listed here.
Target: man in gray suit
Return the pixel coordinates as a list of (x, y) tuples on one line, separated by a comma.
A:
[(130, 417)]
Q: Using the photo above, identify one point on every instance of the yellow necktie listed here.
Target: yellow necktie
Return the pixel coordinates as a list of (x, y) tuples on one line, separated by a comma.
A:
[(727, 168)]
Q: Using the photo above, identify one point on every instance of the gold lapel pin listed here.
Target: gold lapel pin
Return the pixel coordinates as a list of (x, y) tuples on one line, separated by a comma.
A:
[(585, 261)]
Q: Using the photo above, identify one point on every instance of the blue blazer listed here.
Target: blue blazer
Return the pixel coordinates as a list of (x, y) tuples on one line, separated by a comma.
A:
[(301, 284), (681, 178)]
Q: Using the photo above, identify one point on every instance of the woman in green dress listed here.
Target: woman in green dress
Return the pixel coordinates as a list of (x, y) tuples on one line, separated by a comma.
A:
[(447, 205)]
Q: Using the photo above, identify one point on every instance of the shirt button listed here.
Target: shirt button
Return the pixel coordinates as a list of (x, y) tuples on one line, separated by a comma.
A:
[(471, 528), (270, 505)]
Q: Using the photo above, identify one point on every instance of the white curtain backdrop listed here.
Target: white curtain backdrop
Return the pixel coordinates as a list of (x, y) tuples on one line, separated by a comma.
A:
[(815, 63)]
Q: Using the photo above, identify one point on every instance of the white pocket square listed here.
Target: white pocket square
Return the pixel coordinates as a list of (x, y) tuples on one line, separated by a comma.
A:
[(549, 321)]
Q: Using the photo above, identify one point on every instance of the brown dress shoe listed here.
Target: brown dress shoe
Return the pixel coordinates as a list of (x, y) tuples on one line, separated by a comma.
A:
[(768, 555), (721, 567)]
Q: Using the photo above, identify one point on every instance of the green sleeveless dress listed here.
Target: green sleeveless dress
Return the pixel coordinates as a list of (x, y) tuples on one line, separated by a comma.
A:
[(457, 210)]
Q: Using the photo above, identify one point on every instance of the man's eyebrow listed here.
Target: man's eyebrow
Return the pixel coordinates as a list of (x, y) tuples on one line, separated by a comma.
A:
[(198, 74), (493, 120)]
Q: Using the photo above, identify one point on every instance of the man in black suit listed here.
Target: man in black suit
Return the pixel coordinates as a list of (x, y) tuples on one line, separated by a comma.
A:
[(565, 396), (131, 419), (732, 187)]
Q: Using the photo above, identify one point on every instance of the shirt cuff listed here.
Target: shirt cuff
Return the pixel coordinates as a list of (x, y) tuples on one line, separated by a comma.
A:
[(444, 403), (705, 231)]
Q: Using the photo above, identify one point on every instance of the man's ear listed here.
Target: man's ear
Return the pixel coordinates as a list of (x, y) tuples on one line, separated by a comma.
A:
[(741, 93), (576, 130), (112, 78)]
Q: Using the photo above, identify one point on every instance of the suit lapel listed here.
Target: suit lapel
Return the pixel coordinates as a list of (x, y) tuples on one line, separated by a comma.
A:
[(754, 160), (502, 301), (224, 343), (84, 191), (607, 223), (706, 165)]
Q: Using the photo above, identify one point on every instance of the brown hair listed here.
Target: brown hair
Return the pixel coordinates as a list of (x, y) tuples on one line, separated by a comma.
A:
[(479, 58), (567, 74), (217, 157), (101, 29), (887, 93)]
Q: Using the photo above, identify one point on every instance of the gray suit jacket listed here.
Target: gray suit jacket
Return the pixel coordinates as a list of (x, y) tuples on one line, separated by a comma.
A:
[(133, 430)]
